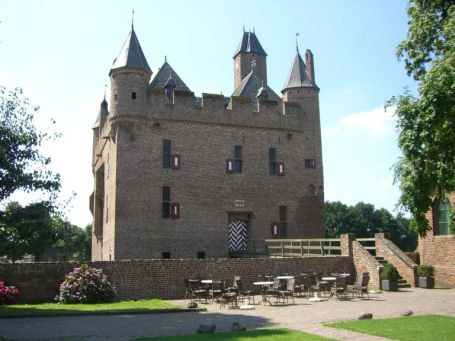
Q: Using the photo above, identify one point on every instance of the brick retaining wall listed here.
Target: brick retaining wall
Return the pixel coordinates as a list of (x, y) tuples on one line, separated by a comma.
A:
[(161, 278)]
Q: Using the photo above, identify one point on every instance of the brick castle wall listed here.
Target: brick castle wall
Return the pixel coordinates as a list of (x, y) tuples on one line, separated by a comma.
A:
[(140, 279)]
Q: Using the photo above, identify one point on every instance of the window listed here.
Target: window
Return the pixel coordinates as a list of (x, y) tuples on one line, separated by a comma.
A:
[(235, 165), (166, 202), (272, 161), (275, 168), (166, 255), (283, 213), (115, 97), (310, 163), (238, 159), (170, 209), (133, 95), (166, 154), (170, 160), (201, 255), (443, 217)]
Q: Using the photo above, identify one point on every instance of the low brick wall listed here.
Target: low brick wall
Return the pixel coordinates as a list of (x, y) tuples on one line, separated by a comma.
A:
[(162, 278)]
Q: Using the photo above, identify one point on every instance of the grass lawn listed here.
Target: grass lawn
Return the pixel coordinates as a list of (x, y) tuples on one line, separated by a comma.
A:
[(55, 309), (412, 328), (268, 334)]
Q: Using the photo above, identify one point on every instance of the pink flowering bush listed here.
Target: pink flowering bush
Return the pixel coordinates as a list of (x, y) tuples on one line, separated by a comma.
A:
[(8, 294), (86, 285)]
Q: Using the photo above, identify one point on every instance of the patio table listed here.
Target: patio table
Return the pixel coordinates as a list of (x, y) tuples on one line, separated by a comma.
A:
[(264, 286)]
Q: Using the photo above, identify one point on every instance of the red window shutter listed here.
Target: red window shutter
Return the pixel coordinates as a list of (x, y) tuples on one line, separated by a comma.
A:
[(229, 166), (175, 161), (275, 230), (175, 210), (280, 168)]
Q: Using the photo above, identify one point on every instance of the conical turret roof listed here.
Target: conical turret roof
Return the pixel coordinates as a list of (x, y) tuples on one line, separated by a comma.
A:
[(131, 54), (298, 76), (250, 44), (162, 76)]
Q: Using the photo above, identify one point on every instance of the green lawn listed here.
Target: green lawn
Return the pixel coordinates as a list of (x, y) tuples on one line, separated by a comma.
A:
[(410, 328), (268, 334), (55, 309)]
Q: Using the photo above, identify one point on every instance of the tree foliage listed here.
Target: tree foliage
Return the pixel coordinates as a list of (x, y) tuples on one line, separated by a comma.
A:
[(364, 220), (426, 123), (22, 166), (26, 230)]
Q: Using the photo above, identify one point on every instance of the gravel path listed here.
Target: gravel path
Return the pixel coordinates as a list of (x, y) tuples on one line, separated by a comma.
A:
[(303, 316)]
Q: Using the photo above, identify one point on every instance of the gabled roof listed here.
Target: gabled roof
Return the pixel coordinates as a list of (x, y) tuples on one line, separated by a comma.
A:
[(250, 86), (298, 76), (250, 44), (162, 76), (131, 54)]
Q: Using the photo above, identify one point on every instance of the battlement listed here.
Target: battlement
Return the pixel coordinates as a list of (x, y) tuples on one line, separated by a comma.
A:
[(212, 109)]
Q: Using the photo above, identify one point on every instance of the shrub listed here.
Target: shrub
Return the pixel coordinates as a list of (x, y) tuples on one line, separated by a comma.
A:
[(389, 272), (86, 285), (8, 294), (425, 270)]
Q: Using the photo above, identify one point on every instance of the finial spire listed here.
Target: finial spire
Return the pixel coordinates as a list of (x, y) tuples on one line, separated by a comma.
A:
[(297, 42), (105, 88), (165, 58), (132, 19), (243, 28)]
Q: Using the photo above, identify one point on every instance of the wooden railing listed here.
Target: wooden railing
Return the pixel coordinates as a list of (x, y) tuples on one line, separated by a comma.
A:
[(368, 244), (280, 248)]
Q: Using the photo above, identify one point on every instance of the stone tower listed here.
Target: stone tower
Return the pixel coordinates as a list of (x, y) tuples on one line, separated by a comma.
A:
[(301, 88), (249, 55)]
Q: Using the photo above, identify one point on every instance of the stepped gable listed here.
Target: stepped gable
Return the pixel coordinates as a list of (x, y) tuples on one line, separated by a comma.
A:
[(162, 76), (298, 76), (131, 54), (250, 86), (250, 44)]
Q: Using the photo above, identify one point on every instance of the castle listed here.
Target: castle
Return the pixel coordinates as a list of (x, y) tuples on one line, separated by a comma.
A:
[(179, 176)]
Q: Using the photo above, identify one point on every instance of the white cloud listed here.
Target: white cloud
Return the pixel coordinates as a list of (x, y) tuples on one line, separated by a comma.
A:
[(376, 123)]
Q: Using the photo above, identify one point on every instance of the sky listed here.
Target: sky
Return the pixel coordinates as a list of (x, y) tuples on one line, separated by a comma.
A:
[(60, 53)]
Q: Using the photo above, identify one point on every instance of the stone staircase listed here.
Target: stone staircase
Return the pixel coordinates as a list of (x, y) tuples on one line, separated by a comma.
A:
[(401, 282)]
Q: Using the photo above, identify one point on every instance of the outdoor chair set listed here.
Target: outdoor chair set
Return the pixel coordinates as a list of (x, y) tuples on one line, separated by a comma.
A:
[(282, 288)]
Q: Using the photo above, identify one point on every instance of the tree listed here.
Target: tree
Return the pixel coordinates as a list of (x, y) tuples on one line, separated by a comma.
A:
[(26, 230), (426, 123), (364, 221), (72, 242), (22, 166)]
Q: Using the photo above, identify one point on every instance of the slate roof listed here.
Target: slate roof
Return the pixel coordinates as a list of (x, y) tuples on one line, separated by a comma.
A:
[(250, 86), (162, 76), (131, 54), (298, 76), (250, 44)]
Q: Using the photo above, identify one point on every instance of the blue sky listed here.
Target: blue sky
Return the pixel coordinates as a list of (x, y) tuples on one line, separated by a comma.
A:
[(60, 53)]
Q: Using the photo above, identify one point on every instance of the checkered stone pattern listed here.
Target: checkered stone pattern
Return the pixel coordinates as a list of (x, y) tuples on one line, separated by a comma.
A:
[(237, 235)]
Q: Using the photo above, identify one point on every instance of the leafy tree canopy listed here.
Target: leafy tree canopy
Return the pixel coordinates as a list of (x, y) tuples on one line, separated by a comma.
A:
[(426, 123), (364, 220), (22, 166)]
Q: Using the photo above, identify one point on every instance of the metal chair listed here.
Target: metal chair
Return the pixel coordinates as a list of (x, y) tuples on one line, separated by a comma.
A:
[(360, 286)]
